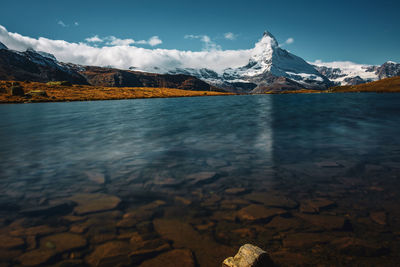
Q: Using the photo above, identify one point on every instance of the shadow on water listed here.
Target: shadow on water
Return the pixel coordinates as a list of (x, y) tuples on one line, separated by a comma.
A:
[(313, 179)]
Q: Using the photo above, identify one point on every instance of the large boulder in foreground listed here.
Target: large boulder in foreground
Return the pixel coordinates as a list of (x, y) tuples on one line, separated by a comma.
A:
[(249, 256)]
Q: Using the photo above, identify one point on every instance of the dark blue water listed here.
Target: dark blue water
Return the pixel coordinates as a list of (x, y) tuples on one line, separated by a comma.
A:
[(344, 148)]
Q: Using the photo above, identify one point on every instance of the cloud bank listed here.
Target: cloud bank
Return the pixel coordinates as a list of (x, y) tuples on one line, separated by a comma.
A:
[(122, 54), (112, 40)]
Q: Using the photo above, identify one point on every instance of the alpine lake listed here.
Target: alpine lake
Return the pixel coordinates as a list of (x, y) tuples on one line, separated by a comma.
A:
[(313, 179)]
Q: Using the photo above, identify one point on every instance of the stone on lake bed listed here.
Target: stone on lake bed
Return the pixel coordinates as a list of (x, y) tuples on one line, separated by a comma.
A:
[(63, 242), (235, 190), (315, 205), (9, 242), (39, 230), (305, 240), (54, 208), (176, 257), (360, 248), (36, 257), (206, 250), (379, 217), (96, 177), (202, 177), (281, 224), (272, 200), (256, 212), (108, 251), (89, 203), (327, 222), (328, 164), (249, 256)]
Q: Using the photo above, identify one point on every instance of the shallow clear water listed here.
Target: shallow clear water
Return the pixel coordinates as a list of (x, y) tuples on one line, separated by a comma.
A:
[(315, 178)]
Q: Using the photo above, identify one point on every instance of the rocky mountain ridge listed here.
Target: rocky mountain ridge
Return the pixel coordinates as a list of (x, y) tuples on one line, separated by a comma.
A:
[(32, 65)]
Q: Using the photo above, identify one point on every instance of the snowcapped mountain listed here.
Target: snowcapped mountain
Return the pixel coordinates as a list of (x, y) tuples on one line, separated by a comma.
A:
[(269, 68), (349, 73)]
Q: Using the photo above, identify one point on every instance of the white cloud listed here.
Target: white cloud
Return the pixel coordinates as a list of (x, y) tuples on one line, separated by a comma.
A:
[(112, 40), (94, 39), (155, 40), (62, 24), (126, 56), (288, 42), (208, 44), (230, 36), (76, 23)]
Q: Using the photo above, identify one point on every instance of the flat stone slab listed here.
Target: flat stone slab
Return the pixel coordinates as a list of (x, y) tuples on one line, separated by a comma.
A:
[(206, 250), (39, 230), (36, 257), (63, 242), (201, 177), (379, 217), (327, 222), (173, 258), (272, 200), (9, 242), (281, 224), (96, 177), (358, 247), (315, 205), (235, 190), (255, 212), (305, 240), (89, 203), (108, 251)]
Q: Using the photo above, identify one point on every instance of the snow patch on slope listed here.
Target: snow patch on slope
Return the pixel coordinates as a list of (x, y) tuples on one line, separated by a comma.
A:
[(349, 69)]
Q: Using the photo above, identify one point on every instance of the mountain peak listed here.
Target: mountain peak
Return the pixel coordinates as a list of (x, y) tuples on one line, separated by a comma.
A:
[(3, 46), (264, 48)]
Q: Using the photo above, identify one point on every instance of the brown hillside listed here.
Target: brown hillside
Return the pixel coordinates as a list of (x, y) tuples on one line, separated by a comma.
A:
[(388, 85), (22, 92)]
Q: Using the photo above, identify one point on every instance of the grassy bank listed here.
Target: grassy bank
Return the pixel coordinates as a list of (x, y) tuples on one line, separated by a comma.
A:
[(26, 92)]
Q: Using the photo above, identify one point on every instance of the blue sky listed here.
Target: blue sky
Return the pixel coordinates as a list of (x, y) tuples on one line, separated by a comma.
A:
[(359, 31)]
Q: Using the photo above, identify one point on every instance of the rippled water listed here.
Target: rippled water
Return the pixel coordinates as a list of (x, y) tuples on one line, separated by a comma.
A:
[(312, 179)]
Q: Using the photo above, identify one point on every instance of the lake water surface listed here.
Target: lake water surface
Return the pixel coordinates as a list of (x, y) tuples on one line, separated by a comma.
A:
[(312, 179)]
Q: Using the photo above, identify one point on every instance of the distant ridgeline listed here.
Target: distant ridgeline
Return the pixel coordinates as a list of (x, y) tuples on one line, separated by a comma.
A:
[(270, 69)]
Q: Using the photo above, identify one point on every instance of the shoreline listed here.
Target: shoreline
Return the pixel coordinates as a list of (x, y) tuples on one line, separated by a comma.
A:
[(35, 92)]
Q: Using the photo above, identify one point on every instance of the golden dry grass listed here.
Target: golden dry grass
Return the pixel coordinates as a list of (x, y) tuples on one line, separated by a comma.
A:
[(388, 85), (59, 93)]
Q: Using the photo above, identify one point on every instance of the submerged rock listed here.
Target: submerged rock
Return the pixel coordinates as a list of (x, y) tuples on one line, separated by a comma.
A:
[(89, 203), (176, 257), (96, 177), (379, 217), (327, 222), (256, 212), (9, 242), (272, 200), (36, 257), (109, 251), (358, 247), (63, 242), (249, 256), (202, 177), (206, 250), (56, 208), (315, 205)]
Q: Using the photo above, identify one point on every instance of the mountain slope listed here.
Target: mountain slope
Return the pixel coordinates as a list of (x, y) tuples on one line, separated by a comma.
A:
[(32, 65), (269, 68), (349, 73)]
